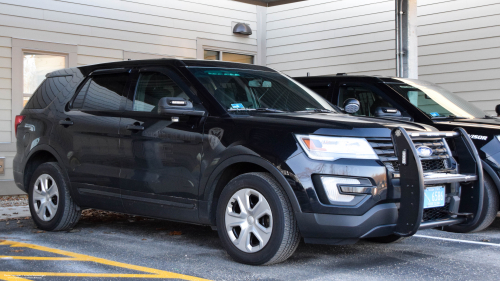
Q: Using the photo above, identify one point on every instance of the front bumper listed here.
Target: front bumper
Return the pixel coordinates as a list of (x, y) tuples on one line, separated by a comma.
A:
[(337, 229), (382, 216)]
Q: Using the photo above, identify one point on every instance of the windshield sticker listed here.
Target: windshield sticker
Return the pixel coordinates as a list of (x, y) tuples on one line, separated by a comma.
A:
[(237, 106), (434, 114)]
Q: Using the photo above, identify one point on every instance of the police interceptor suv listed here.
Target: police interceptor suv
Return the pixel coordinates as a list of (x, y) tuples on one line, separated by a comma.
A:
[(427, 103), (241, 148)]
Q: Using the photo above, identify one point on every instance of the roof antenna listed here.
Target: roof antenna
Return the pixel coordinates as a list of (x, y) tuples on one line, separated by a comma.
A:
[(308, 74)]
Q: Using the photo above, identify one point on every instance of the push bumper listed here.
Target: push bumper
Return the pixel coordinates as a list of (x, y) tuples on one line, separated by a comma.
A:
[(406, 218)]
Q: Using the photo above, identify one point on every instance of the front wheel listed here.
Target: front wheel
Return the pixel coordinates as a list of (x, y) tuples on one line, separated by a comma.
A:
[(51, 205), (489, 210), (255, 220)]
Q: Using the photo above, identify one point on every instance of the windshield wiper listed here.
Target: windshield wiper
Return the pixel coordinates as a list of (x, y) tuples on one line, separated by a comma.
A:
[(317, 110), (262, 109)]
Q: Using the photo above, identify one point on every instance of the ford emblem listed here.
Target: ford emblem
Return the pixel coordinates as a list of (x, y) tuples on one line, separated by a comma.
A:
[(424, 151)]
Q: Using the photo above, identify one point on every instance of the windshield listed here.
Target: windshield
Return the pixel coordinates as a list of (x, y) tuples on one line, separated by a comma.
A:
[(437, 102), (247, 90)]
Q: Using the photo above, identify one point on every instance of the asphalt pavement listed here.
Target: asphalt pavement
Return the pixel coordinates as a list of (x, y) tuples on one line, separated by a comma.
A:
[(107, 246)]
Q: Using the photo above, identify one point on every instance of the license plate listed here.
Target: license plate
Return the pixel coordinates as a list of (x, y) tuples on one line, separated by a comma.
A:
[(434, 197)]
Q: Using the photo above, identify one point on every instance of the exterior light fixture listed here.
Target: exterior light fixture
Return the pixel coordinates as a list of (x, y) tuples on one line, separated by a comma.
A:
[(242, 28)]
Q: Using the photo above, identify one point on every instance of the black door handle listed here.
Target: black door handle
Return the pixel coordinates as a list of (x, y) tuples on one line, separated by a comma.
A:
[(66, 122), (135, 127)]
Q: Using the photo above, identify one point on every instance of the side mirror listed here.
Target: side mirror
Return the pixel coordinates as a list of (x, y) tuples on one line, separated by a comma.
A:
[(177, 106), (497, 109), (351, 105)]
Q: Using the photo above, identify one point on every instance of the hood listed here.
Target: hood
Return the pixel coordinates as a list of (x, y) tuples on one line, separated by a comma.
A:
[(491, 123), (331, 124)]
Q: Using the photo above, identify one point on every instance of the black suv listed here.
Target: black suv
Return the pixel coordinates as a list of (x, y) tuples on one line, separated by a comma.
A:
[(427, 103), (241, 148)]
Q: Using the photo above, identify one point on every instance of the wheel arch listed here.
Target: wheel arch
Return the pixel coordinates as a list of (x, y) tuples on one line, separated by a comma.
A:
[(231, 168), (41, 154)]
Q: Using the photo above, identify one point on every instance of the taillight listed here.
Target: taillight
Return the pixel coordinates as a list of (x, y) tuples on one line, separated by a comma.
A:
[(19, 119)]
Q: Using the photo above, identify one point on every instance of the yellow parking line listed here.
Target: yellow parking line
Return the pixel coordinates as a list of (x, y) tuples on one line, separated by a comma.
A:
[(153, 273), (36, 258)]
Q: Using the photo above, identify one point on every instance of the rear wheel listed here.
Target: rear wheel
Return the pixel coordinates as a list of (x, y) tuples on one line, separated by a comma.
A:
[(489, 213), (51, 205), (255, 220)]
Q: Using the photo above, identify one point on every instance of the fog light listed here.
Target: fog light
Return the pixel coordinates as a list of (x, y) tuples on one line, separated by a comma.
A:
[(331, 185)]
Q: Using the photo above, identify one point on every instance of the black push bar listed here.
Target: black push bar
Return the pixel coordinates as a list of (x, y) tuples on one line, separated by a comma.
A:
[(469, 175)]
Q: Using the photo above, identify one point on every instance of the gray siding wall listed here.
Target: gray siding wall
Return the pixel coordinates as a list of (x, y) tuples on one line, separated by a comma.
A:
[(459, 48), (459, 42), (331, 36)]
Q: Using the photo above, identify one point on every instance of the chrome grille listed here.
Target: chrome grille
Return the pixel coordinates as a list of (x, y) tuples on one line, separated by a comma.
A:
[(437, 162)]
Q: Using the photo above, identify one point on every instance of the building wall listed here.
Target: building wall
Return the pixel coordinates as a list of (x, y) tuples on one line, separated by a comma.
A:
[(110, 30), (459, 42), (459, 48), (331, 36)]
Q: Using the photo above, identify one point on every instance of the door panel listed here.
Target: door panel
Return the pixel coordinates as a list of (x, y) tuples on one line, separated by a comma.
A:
[(91, 134), (161, 158)]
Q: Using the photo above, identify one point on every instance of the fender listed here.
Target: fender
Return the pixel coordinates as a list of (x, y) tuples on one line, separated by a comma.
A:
[(489, 170), (268, 166), (48, 148)]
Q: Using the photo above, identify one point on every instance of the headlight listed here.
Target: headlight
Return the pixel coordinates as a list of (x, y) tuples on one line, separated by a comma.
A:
[(498, 137), (333, 148)]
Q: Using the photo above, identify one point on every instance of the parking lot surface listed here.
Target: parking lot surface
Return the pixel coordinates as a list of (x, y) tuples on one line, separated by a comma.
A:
[(107, 246)]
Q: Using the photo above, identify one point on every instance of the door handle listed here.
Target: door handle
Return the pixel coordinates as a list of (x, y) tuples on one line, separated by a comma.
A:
[(66, 122), (135, 127)]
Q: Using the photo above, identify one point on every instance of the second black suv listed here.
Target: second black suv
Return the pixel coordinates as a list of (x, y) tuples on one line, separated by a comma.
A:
[(427, 103), (241, 148)]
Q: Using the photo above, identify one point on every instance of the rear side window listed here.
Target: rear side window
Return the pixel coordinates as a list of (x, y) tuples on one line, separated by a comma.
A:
[(47, 92), (102, 92)]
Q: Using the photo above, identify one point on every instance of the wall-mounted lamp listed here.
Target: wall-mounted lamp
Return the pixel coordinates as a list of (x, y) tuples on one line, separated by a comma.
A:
[(242, 28)]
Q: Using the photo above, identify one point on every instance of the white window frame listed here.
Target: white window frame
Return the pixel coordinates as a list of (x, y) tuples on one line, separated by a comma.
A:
[(19, 48), (25, 51), (221, 54), (203, 45)]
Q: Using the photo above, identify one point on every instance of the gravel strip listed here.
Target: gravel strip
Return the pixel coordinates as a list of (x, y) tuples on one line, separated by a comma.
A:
[(16, 200)]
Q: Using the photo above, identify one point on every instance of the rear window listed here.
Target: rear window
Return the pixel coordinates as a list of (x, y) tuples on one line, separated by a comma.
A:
[(103, 92), (47, 92)]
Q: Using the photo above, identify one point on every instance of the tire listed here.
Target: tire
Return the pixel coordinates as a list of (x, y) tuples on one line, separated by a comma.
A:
[(489, 213), (386, 239), (51, 205), (269, 238)]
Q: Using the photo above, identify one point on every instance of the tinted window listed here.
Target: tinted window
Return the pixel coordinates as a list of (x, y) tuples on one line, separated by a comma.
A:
[(368, 99), (78, 102), (151, 87), (321, 90), (103, 92)]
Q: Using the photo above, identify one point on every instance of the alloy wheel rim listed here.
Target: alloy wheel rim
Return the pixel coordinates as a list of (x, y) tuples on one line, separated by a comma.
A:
[(45, 197), (249, 220)]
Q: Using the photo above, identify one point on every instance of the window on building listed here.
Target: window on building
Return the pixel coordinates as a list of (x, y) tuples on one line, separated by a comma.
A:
[(227, 56), (35, 67)]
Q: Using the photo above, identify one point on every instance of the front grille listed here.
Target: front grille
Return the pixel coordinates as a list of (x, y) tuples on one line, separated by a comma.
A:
[(436, 213), (437, 162)]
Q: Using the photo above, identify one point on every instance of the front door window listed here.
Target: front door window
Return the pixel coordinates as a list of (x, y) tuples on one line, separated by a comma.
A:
[(367, 97)]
